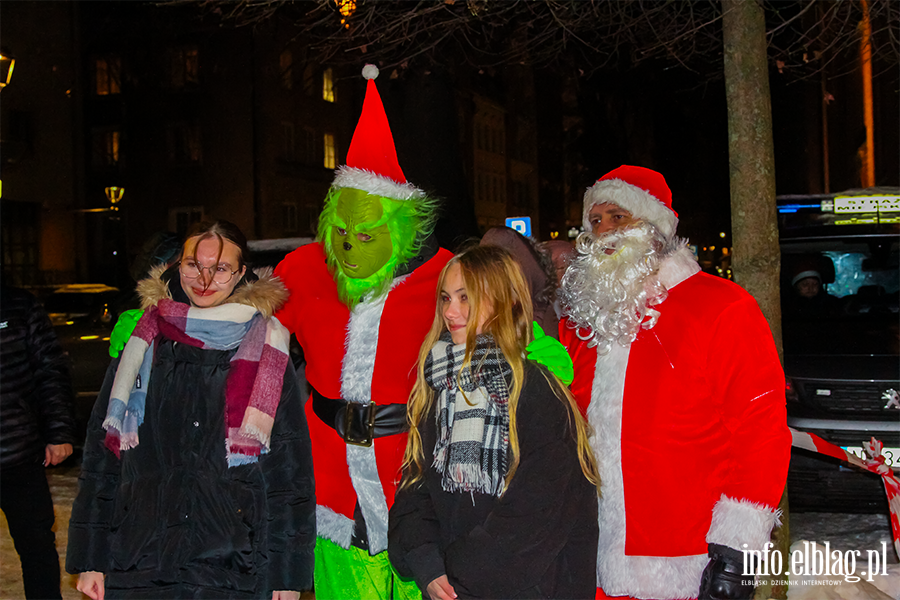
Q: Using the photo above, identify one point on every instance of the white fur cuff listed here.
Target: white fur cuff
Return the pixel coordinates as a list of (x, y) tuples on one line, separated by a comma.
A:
[(739, 522)]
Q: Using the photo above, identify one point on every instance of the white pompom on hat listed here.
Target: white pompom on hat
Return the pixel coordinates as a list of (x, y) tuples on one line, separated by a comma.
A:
[(642, 192)]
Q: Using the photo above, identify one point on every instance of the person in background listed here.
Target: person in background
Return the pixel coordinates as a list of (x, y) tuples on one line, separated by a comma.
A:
[(197, 474), (538, 270), (680, 378), (499, 491), (37, 430), (561, 255)]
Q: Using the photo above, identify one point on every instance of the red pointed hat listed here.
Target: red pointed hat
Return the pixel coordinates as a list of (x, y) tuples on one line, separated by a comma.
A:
[(372, 164), (642, 192)]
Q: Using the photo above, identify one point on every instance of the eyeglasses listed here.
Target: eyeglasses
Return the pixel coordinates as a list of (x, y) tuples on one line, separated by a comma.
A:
[(191, 270)]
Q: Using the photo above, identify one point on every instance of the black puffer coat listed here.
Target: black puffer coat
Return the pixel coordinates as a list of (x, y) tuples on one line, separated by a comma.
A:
[(36, 399), (171, 519), (539, 540)]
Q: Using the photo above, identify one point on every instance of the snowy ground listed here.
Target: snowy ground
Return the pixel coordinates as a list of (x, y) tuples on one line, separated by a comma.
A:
[(845, 533)]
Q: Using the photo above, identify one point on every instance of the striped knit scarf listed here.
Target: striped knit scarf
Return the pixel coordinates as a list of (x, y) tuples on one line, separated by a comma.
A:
[(472, 412), (252, 389)]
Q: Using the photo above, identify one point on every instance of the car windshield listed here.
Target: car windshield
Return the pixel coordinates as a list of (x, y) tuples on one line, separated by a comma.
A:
[(840, 296)]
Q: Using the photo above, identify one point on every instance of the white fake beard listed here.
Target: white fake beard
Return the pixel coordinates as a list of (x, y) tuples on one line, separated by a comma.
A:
[(607, 296)]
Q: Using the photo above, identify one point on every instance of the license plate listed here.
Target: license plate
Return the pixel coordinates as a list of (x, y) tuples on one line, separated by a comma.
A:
[(891, 455)]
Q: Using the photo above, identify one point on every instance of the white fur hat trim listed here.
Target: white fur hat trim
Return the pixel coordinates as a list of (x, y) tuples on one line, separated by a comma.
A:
[(638, 202), (378, 185)]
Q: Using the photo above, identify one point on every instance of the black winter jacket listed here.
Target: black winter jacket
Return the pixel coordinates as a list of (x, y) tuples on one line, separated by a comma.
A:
[(36, 399), (537, 541), (171, 519)]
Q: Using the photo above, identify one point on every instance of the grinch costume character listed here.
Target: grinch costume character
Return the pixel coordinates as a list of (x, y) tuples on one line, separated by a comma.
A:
[(362, 300), (681, 381)]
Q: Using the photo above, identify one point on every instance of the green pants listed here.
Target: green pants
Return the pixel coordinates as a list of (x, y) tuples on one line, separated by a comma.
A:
[(355, 575)]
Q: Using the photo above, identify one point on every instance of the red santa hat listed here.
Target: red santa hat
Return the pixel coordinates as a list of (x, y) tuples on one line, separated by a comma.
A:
[(372, 164), (642, 192)]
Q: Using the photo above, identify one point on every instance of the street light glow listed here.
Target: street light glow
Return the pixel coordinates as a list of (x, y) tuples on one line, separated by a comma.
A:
[(7, 63)]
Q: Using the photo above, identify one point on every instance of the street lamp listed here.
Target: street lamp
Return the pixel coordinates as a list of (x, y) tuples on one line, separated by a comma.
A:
[(7, 63), (114, 194)]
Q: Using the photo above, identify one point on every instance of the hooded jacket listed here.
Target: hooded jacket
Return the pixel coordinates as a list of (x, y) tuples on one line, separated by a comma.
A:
[(171, 517), (36, 399)]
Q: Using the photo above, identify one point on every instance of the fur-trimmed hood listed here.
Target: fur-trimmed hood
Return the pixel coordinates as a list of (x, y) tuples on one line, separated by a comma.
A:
[(267, 294)]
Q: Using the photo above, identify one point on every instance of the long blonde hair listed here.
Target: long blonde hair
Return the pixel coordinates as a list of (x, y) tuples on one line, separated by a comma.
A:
[(494, 284)]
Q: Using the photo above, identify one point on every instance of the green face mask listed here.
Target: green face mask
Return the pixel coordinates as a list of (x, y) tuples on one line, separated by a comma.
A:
[(360, 252)]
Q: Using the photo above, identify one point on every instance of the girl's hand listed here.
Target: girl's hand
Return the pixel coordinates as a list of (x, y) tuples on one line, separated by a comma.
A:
[(285, 595), (440, 589), (90, 583)]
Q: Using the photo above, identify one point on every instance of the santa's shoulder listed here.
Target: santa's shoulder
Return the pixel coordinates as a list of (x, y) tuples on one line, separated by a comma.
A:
[(706, 296)]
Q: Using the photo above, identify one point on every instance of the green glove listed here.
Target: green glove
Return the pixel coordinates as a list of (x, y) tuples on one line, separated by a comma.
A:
[(122, 331), (550, 353)]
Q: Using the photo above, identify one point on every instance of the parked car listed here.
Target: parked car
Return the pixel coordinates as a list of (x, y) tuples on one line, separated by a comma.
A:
[(841, 346), (83, 316), (270, 252)]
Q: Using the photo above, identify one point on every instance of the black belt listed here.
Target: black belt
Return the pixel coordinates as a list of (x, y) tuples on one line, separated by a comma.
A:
[(359, 424)]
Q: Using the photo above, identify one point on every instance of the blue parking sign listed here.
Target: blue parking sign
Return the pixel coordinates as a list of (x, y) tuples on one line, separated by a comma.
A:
[(520, 224)]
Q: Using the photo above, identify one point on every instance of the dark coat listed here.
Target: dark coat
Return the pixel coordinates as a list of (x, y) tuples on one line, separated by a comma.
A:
[(36, 399), (538, 541), (171, 519)]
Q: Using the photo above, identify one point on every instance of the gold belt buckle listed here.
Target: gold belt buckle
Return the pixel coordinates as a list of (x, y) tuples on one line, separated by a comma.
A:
[(359, 424)]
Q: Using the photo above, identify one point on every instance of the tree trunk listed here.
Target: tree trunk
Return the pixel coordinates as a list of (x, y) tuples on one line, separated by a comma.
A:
[(751, 156), (754, 229)]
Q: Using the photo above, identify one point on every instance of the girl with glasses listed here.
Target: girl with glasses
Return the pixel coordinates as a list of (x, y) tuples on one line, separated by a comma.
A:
[(197, 471)]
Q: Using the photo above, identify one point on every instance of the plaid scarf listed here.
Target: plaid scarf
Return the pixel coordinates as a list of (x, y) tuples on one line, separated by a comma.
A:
[(472, 413), (252, 389)]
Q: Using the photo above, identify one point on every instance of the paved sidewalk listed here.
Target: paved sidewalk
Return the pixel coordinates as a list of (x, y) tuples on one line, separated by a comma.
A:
[(64, 486)]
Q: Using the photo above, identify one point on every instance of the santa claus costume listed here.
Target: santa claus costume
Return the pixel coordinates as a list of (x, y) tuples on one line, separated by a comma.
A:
[(690, 428), (361, 353)]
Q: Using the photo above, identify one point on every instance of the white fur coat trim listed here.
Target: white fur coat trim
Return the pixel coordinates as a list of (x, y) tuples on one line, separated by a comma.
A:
[(617, 573), (375, 184), (638, 202), (333, 526), (357, 372), (739, 522), (677, 267)]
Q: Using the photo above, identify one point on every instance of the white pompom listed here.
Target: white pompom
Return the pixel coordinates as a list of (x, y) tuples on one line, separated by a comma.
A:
[(370, 72)]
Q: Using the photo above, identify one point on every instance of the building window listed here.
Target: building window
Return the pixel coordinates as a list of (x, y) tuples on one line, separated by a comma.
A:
[(308, 146), (330, 152), (522, 196), (286, 68), (327, 85), (309, 80), (183, 143), (184, 67), (105, 148), (287, 141), (20, 237), (289, 217), (107, 75), (181, 218)]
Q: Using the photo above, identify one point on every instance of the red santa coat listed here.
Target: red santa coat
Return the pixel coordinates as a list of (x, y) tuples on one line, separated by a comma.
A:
[(368, 354), (690, 435)]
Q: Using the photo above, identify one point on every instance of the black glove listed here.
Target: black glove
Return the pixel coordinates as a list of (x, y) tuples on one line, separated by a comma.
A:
[(723, 577)]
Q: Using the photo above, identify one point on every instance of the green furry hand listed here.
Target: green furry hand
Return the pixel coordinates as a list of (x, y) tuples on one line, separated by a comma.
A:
[(122, 331), (550, 353)]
